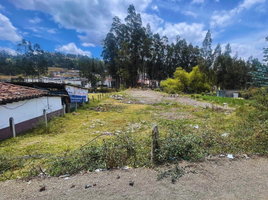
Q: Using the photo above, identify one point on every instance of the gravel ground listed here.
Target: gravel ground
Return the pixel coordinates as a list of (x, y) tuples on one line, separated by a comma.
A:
[(216, 178), (151, 97)]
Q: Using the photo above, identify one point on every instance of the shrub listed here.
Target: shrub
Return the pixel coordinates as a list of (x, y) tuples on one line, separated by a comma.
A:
[(157, 90), (172, 86), (203, 94)]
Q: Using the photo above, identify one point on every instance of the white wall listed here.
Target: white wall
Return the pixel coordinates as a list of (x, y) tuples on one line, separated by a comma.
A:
[(28, 109)]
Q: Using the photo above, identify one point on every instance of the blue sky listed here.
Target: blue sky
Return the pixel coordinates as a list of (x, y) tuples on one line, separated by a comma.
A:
[(78, 26)]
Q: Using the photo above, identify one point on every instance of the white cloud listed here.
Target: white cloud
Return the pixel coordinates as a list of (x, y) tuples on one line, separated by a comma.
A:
[(220, 19), (223, 18), (249, 45), (7, 30), (260, 9), (87, 45), (198, 1), (190, 13), (191, 32), (71, 48), (247, 49), (247, 4), (91, 17), (11, 51), (155, 8), (41, 30), (217, 0), (35, 20), (154, 21), (52, 30)]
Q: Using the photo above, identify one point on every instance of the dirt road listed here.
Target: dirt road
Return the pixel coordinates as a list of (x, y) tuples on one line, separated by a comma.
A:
[(219, 178), (151, 97)]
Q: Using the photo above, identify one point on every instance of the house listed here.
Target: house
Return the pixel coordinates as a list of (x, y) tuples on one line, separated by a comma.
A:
[(68, 92), (26, 106)]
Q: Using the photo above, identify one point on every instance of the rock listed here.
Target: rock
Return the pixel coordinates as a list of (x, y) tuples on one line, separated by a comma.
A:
[(246, 156), (43, 188), (131, 183), (125, 167), (94, 184), (221, 156), (72, 186), (118, 177), (87, 186)]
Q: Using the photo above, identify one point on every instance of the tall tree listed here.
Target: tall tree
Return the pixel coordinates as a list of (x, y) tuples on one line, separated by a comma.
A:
[(265, 52), (228, 50)]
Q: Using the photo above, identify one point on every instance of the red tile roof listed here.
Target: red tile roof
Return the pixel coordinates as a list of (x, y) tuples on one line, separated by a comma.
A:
[(10, 93)]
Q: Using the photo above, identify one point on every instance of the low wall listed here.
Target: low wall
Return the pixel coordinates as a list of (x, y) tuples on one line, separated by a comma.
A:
[(26, 125)]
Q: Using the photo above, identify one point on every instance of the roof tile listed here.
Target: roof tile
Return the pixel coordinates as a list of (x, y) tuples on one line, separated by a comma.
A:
[(10, 92)]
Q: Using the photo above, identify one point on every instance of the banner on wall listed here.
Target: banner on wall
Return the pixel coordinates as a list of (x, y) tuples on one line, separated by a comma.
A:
[(77, 94)]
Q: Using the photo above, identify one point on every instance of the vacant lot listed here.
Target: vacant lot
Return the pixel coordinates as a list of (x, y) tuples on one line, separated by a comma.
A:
[(188, 131)]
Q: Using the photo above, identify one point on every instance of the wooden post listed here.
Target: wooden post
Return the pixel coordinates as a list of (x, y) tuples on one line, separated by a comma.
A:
[(75, 106), (63, 110), (155, 144), (212, 105), (12, 126), (45, 116), (83, 104), (93, 99), (98, 97)]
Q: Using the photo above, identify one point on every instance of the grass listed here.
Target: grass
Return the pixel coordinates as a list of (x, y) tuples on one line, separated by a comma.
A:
[(132, 123), (232, 102)]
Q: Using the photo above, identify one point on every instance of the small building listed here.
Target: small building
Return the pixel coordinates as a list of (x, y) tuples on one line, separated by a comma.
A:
[(25, 106), (228, 93)]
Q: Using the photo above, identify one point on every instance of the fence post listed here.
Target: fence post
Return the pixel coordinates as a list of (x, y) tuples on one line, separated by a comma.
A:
[(83, 103), (63, 109), (68, 107), (93, 99), (45, 116), (155, 144), (75, 106), (12, 126)]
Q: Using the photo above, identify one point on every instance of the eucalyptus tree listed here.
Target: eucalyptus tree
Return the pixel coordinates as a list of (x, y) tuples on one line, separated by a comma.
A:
[(228, 50), (35, 56), (265, 53), (135, 32)]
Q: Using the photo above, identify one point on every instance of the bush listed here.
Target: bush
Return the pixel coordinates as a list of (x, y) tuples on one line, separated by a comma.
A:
[(172, 86), (203, 94), (157, 90)]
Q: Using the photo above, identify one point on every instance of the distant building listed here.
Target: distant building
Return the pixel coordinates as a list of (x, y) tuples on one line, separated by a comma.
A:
[(228, 93)]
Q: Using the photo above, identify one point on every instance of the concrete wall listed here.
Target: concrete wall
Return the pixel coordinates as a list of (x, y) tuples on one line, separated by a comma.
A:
[(27, 113)]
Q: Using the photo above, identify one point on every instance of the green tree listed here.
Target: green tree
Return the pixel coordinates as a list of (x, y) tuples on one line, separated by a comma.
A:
[(265, 52), (198, 81), (228, 50), (182, 76)]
